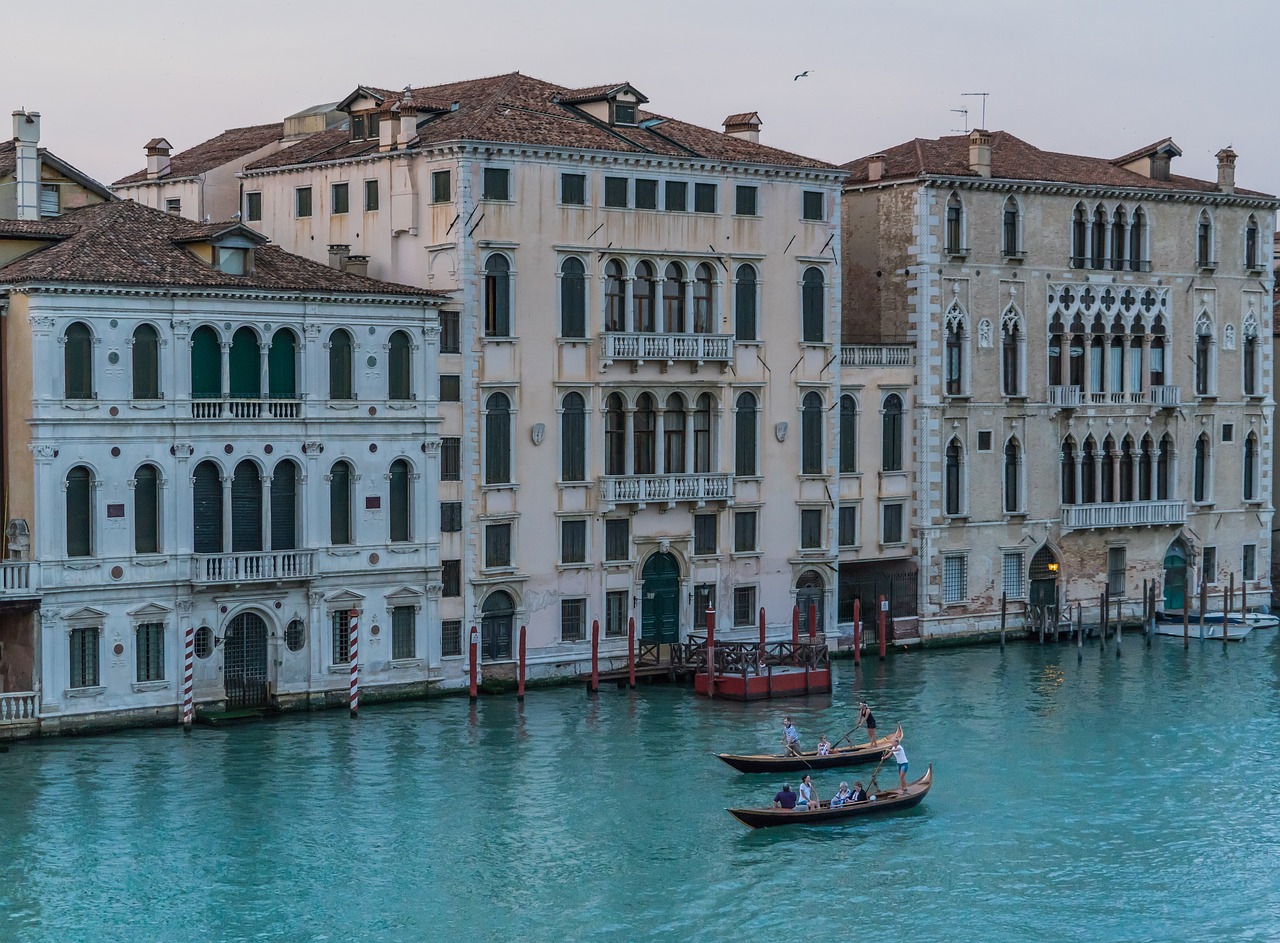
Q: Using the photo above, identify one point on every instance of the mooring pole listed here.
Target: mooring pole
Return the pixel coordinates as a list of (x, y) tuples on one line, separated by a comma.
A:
[(1102, 619), (711, 652), (760, 655), (884, 633), (1231, 596), (353, 656), (1226, 611), (1004, 613), (1204, 601), (595, 655), (813, 623), (1186, 621), (631, 651), (475, 644), (795, 633), (1119, 624), (520, 677), (857, 632), (188, 673), (1079, 633)]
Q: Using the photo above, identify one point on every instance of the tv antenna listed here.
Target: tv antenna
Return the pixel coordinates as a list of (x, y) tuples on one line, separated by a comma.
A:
[(983, 96), (965, 112)]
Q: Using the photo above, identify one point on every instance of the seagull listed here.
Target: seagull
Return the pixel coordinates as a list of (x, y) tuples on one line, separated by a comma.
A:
[(802, 75)]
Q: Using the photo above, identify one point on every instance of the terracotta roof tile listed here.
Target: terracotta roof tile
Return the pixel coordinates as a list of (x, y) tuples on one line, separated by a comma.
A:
[(226, 147), (743, 117), (8, 158)]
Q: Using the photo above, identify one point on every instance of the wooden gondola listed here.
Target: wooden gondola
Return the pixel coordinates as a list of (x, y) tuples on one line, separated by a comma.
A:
[(889, 800), (794, 762)]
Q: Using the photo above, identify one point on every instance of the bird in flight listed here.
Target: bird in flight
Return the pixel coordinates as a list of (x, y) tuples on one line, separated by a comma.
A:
[(802, 75)]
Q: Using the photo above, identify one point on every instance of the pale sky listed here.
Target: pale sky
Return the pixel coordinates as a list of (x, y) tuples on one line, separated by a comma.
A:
[(1095, 77)]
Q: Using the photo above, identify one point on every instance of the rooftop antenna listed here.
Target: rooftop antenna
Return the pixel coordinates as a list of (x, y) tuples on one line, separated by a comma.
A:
[(983, 96), (965, 112)]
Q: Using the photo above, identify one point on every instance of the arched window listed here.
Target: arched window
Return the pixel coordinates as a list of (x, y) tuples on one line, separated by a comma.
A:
[(954, 351), (1204, 355), (1098, 238), (1055, 353), (282, 365), (848, 434), (497, 296), (702, 435), (498, 614), (1076, 360), (813, 301), (1068, 466), (1012, 225), (77, 358), (1097, 364), (1115, 361), (1204, 240), (703, 307), (1145, 469), (573, 438), (1250, 355), (811, 457), (615, 297), (79, 512), (206, 364), (615, 436), (1107, 477), (206, 508), (644, 427), (1200, 483), (1164, 468), (1138, 261), (745, 436), (644, 298), (146, 510), (246, 508), (573, 298), (400, 367), (245, 365), (673, 432), (340, 504), (1011, 352), (745, 304), (954, 236), (1012, 476), (146, 362), (1079, 236), (341, 364), (1250, 490), (1157, 359), (398, 503), (1118, 224), (955, 463), (1126, 469), (1089, 472), (891, 433), (284, 505), (673, 298), (1251, 244), (497, 439)]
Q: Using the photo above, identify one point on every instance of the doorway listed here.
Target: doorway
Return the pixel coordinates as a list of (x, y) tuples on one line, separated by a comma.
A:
[(244, 654), (660, 610), (1175, 576)]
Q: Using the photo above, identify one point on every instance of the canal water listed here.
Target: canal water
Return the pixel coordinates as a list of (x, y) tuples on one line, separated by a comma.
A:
[(1130, 798)]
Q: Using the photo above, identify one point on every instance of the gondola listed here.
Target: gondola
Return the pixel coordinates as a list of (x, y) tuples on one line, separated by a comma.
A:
[(788, 763), (890, 800)]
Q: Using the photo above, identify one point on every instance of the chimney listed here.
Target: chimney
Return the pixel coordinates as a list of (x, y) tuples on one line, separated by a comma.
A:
[(1227, 170), (26, 142), (338, 253), (408, 119), (875, 167), (745, 126), (980, 152), (158, 158), (357, 265)]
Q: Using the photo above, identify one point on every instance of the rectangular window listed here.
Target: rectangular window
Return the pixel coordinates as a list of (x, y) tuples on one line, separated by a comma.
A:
[(450, 332), (340, 196), (984, 440), (955, 577), (450, 458), (1228, 431), (573, 620), (811, 529), (497, 545), (253, 206), (403, 633), (1115, 571), (50, 200), (746, 201), (302, 202), (173, 205), (370, 196), (815, 204), (451, 638), (646, 194), (573, 541), (357, 127), (1209, 565), (615, 613), (442, 186), (451, 577), (617, 539), (704, 598), (1250, 568), (573, 189), (341, 624), (450, 517), (615, 191), (892, 530), (149, 642), (84, 657), (848, 525), (497, 183), (450, 388), (1012, 570), (744, 606), (704, 197), (677, 196), (704, 534), (744, 532)]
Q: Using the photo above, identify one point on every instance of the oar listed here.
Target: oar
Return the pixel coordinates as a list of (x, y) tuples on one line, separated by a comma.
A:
[(873, 782), (846, 736)]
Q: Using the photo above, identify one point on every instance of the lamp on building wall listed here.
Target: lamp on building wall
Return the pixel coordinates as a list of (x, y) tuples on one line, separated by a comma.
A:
[(1052, 567)]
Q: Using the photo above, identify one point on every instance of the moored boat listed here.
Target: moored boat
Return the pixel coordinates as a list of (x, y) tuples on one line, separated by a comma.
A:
[(891, 800), (788, 763), (1237, 628)]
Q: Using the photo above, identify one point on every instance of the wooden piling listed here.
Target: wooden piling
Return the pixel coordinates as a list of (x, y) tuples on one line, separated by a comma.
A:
[(631, 651), (882, 611), (595, 655), (711, 652), (813, 623), (1079, 633), (857, 632), (520, 676), (1186, 621), (795, 633), (1204, 601), (1004, 616), (1102, 620), (474, 646), (1226, 611)]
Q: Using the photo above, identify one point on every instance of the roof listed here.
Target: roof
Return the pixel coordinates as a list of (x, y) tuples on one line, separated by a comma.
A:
[(126, 243), (1015, 159), (226, 147), (743, 117), (519, 109), (1164, 145), (9, 167), (594, 93)]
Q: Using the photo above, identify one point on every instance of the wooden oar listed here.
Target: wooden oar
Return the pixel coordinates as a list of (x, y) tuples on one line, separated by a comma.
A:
[(847, 735), (884, 757)]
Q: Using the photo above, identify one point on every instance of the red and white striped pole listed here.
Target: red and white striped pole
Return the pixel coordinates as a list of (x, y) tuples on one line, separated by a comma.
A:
[(188, 674), (711, 652), (474, 651), (355, 663)]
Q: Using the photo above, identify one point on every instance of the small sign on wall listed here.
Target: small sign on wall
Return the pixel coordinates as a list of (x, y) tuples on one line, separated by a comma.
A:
[(115, 510), (373, 503)]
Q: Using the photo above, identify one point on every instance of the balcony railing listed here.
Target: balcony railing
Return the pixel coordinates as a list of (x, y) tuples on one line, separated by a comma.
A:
[(246, 408), (875, 355), (647, 489), (15, 578), (1125, 514), (17, 707), (1070, 397), (271, 566), (689, 348), (1064, 397)]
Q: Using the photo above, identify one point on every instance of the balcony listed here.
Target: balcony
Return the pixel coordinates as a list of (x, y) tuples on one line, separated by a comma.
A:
[(1072, 397), (640, 490), (1064, 397), (16, 579), (246, 409), (18, 707), (875, 355), (270, 567), (1127, 514), (667, 348)]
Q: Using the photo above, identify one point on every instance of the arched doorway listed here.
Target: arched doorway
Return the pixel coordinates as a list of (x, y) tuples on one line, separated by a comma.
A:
[(1175, 576), (1042, 601), (810, 591), (660, 606), (498, 613), (244, 662)]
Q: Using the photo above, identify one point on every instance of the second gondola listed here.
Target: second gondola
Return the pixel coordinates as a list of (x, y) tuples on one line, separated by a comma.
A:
[(794, 762)]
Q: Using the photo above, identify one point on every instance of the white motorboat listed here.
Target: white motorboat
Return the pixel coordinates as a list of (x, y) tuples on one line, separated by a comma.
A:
[(1237, 626)]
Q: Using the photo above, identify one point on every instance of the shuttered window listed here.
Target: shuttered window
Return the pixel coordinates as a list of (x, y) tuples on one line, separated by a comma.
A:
[(370, 196), (450, 332), (340, 504), (811, 529), (340, 366), (573, 299), (399, 501), (77, 356), (497, 183), (246, 509), (302, 202), (79, 521), (450, 517), (705, 533), (206, 364), (617, 539), (848, 435), (399, 367), (744, 304), (451, 578), (497, 545), (573, 189), (811, 435), (339, 194), (573, 439), (282, 379), (745, 435), (284, 506), (206, 508), (704, 197), (245, 365), (646, 194), (677, 196), (814, 205), (146, 510), (497, 297), (573, 541), (497, 444), (615, 191), (442, 187), (744, 531), (812, 304), (146, 363), (746, 201)]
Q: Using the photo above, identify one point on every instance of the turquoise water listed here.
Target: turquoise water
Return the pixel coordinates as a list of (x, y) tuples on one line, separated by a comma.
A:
[(1117, 799)]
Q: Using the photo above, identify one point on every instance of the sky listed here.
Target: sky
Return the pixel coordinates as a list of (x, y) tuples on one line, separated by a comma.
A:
[(1094, 77)]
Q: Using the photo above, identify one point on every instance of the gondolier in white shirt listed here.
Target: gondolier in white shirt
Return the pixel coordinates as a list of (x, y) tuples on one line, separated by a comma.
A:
[(790, 738), (900, 757)]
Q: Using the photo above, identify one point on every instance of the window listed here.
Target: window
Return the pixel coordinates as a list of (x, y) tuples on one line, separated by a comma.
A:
[(984, 440), (450, 388), (442, 186), (704, 197), (341, 363), (497, 183), (403, 633), (1011, 570), (815, 205), (450, 332), (615, 613), (450, 458), (745, 304), (50, 200), (615, 191), (953, 364), (1012, 477), (745, 464), (1115, 571), (573, 540), (451, 578), (357, 127), (848, 435), (146, 510), (370, 196), (400, 367), (1118, 222), (644, 299), (704, 534), (77, 359), (79, 512), (744, 606), (1098, 239), (253, 206), (1228, 431), (451, 638), (340, 504), (746, 203), (615, 297), (703, 301), (1079, 236), (955, 578), (398, 503), (172, 206), (623, 112), (450, 517), (84, 657), (340, 625), (891, 525), (573, 298), (340, 197), (1204, 355), (954, 497), (573, 620), (745, 530), (891, 433), (573, 189), (497, 545), (1012, 223), (704, 599), (497, 297), (811, 529), (848, 525), (232, 260), (295, 635), (677, 196), (617, 538), (1138, 261), (573, 438), (149, 648), (1200, 485), (644, 421), (646, 194), (811, 448), (497, 439), (813, 302), (206, 508), (1011, 353), (615, 436), (955, 226), (1251, 244), (1250, 490), (1204, 240), (1209, 565), (302, 202), (146, 362), (1250, 563), (1250, 355)]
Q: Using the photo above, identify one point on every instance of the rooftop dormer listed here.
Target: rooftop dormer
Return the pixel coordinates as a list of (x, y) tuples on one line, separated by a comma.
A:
[(612, 104), (225, 247), (1152, 161)]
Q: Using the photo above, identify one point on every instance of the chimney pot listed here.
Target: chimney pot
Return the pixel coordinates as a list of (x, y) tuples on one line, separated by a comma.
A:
[(980, 152), (157, 158), (26, 143), (875, 167), (356, 265), (1227, 170), (338, 253), (745, 126)]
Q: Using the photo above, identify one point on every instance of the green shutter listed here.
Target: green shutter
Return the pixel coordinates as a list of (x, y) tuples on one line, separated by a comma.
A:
[(399, 501), (79, 542), (340, 504), (246, 509), (78, 362), (146, 532), (399, 366), (284, 504), (146, 363), (206, 509), (206, 364), (246, 370), (340, 365), (282, 380)]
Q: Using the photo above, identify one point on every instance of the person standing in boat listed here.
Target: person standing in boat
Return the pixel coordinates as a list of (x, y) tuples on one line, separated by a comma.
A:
[(786, 799), (790, 737), (900, 757), (866, 717)]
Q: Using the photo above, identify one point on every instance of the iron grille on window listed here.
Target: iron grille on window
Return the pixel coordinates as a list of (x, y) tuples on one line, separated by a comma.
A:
[(955, 578), (403, 642), (341, 622), (704, 598), (615, 613), (84, 657), (450, 332), (149, 642), (451, 638), (450, 458), (1011, 571), (1115, 570), (451, 578), (744, 605), (573, 620)]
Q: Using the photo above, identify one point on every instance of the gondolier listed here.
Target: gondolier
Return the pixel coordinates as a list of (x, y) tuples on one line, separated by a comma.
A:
[(867, 719), (790, 737)]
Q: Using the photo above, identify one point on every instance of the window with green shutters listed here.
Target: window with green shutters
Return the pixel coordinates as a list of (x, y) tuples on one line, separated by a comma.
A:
[(811, 529), (146, 362), (677, 196), (848, 435), (245, 361), (573, 540), (302, 202), (450, 332), (745, 529), (246, 508), (403, 633), (704, 197), (497, 439), (450, 388), (84, 657), (615, 191), (206, 508), (497, 546), (284, 506), (745, 424), (341, 197), (77, 355), (848, 525), (400, 367), (451, 578), (746, 201), (811, 419), (617, 538), (149, 648), (398, 511), (745, 304), (813, 297), (370, 196), (79, 512), (146, 510), (253, 206), (814, 205), (573, 189), (206, 364), (497, 183), (282, 373), (340, 366), (450, 517), (573, 298), (646, 194), (891, 433), (442, 186), (573, 438), (340, 504), (705, 528)]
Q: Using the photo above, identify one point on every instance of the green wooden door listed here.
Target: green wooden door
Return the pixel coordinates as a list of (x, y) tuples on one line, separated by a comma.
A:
[(246, 369), (206, 364), (281, 374), (1175, 578), (660, 609)]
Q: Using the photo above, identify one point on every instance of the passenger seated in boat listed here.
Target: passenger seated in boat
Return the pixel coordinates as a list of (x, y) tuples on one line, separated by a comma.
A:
[(841, 797), (824, 746), (786, 799), (859, 794), (808, 795)]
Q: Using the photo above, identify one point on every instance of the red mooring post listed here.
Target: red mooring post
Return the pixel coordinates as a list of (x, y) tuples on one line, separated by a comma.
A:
[(631, 651), (883, 609), (711, 652), (520, 678), (475, 650), (595, 655), (795, 633), (354, 658), (857, 632), (762, 643), (813, 622)]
